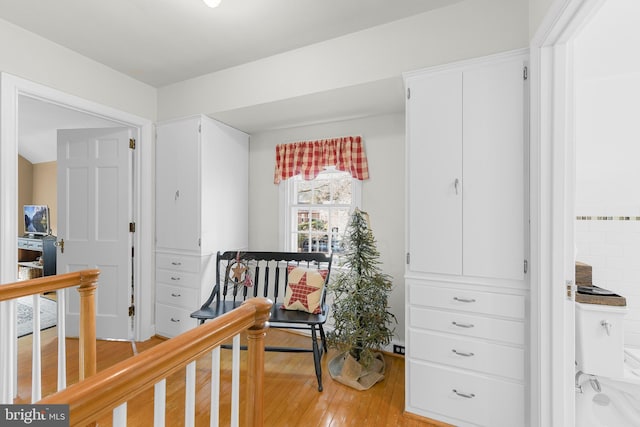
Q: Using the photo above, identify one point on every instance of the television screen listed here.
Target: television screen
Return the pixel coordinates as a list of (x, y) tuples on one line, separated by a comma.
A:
[(36, 219)]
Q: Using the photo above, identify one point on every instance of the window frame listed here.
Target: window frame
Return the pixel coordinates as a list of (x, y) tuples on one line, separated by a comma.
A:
[(286, 196)]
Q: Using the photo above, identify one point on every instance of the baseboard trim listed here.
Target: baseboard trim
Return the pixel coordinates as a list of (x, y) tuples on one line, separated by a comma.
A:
[(429, 421)]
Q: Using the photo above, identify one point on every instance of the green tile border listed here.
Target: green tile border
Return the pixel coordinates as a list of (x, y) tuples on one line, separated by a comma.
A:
[(608, 218)]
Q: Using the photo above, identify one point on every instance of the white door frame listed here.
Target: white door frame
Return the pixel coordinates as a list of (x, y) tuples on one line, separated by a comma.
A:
[(11, 87), (552, 204)]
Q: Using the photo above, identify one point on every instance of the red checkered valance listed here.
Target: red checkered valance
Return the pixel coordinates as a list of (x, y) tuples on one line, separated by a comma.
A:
[(309, 158)]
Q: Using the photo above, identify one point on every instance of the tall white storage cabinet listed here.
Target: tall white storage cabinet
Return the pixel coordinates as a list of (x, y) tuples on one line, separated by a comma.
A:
[(202, 184), (466, 278)]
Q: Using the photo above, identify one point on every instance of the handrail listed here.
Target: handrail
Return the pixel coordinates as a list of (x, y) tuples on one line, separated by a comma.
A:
[(94, 397), (86, 280)]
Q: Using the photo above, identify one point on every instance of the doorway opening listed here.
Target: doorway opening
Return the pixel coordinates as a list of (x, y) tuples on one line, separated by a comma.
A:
[(14, 91)]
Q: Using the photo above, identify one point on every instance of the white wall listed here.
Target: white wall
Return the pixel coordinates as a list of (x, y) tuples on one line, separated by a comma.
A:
[(463, 30), (608, 148), (607, 153), (382, 197), (34, 58), (537, 11)]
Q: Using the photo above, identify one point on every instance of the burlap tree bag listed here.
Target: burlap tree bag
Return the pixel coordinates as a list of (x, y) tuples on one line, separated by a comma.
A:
[(348, 371)]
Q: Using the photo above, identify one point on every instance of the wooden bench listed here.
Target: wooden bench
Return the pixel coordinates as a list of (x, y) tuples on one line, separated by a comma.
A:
[(244, 275)]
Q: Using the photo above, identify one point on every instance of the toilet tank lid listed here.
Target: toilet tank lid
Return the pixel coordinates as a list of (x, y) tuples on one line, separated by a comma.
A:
[(601, 308)]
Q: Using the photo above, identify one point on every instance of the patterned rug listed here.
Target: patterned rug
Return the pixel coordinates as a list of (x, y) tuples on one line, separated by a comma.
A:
[(48, 314)]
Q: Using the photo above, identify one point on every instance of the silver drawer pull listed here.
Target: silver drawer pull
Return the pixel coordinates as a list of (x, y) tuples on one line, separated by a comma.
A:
[(176, 263), (464, 299), (175, 278), (175, 320), (465, 395), (462, 353), (462, 325), (176, 295)]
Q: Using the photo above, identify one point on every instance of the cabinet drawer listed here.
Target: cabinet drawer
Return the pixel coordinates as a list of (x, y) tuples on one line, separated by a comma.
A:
[(178, 262), (178, 278), (468, 325), (470, 301), (30, 244), (474, 399), (172, 321), (465, 353), (178, 296)]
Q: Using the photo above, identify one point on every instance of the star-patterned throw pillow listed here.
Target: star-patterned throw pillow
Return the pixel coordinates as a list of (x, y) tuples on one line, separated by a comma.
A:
[(305, 289)]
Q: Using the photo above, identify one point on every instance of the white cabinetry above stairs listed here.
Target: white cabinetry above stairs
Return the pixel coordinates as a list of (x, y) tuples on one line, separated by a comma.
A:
[(466, 284), (202, 180)]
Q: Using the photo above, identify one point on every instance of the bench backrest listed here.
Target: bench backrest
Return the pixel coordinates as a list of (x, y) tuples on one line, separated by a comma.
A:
[(267, 272)]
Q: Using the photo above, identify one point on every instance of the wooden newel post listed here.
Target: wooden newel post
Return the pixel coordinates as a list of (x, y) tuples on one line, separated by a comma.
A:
[(87, 342), (255, 361)]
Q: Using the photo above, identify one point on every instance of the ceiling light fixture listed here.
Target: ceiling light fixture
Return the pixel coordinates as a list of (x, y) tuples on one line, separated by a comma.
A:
[(212, 3)]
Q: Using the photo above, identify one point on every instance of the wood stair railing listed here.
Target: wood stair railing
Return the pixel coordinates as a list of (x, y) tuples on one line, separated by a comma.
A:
[(86, 281), (110, 389)]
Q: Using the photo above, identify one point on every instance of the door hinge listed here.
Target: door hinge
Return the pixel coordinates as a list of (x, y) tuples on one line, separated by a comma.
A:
[(132, 310), (526, 266), (525, 73), (408, 93), (132, 227), (200, 128), (199, 242), (408, 258), (132, 143)]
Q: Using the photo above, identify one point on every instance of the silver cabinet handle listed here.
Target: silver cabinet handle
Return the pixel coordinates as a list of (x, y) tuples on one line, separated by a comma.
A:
[(461, 353), (464, 299), (456, 183), (176, 295), (176, 263), (607, 326), (462, 325), (175, 278), (465, 395), (175, 320)]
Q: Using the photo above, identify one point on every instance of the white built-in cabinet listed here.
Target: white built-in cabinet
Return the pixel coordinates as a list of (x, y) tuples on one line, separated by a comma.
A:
[(201, 207), (466, 281)]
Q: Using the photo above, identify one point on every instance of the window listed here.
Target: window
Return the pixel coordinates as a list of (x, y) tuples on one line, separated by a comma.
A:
[(316, 212)]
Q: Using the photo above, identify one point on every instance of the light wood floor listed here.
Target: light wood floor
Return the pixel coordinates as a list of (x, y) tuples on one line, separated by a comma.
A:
[(291, 396)]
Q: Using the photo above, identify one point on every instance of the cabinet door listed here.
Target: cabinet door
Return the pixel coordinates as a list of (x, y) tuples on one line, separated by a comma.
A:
[(494, 190), (178, 185), (434, 153), (225, 187)]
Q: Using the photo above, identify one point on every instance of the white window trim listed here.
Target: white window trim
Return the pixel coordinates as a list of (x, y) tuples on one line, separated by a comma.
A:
[(285, 201)]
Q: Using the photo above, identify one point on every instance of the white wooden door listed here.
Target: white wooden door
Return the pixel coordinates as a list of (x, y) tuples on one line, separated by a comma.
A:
[(178, 185), (94, 210), (494, 189), (435, 180)]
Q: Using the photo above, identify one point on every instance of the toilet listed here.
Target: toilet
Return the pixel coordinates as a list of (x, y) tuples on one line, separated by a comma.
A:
[(607, 374)]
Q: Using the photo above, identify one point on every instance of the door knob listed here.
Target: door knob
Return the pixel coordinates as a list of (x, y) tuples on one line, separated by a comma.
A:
[(60, 244)]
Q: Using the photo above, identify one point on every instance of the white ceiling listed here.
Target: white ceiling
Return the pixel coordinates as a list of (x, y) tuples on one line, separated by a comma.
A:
[(165, 41), (160, 42)]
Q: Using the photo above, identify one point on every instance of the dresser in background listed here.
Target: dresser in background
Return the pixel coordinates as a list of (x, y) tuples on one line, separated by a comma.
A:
[(36, 256)]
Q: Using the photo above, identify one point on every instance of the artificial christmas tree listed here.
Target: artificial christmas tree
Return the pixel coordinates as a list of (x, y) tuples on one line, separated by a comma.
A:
[(360, 309)]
